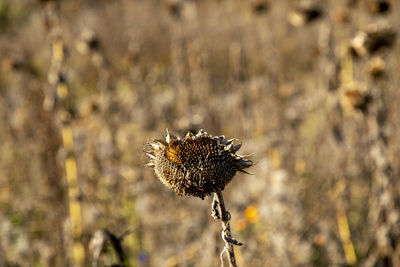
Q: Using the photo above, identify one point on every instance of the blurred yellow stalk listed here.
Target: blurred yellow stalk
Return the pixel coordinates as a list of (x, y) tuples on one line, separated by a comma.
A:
[(343, 224), (344, 233), (70, 164)]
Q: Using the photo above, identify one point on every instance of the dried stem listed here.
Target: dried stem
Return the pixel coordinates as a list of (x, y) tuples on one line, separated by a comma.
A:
[(219, 212), (103, 238)]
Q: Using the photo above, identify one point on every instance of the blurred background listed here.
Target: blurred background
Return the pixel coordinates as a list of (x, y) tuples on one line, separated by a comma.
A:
[(311, 88)]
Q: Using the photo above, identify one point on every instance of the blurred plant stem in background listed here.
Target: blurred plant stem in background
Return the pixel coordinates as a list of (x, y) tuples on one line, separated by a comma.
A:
[(65, 114), (345, 237)]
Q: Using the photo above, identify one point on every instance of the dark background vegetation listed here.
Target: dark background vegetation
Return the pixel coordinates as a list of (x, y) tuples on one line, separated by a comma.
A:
[(311, 88)]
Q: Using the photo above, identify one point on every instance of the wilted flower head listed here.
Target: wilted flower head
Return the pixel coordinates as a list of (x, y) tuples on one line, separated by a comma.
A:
[(196, 165)]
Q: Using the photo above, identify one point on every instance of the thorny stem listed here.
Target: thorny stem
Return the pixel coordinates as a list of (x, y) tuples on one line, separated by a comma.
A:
[(219, 212)]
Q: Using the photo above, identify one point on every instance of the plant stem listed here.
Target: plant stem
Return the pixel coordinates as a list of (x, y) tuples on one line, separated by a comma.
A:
[(225, 218)]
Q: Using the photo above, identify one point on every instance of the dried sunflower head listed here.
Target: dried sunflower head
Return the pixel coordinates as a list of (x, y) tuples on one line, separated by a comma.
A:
[(197, 165)]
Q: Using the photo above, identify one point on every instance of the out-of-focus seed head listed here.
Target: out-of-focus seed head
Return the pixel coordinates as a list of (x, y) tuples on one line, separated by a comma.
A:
[(376, 36), (197, 165)]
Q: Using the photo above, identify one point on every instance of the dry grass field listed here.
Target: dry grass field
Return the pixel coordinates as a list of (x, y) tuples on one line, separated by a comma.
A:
[(311, 88)]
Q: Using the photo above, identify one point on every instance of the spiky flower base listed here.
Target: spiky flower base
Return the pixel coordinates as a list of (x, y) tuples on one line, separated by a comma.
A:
[(198, 165)]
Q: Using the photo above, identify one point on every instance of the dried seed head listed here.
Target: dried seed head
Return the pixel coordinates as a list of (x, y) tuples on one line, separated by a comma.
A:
[(355, 97), (375, 37), (198, 165)]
